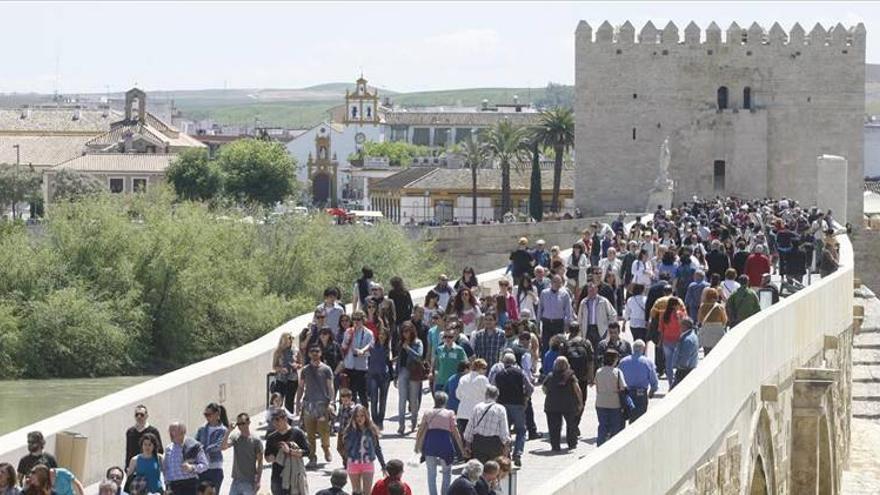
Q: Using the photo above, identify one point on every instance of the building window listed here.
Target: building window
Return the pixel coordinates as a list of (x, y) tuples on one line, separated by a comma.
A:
[(139, 184), (718, 175), (722, 98), (747, 98), (117, 185), (399, 133), (421, 136), (441, 136), (634, 133), (354, 112), (462, 134)]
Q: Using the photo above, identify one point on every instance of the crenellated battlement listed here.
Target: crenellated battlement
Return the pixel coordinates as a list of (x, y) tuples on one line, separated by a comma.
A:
[(755, 35)]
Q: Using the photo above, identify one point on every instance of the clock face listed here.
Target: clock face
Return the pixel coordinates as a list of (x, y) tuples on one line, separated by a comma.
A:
[(359, 138)]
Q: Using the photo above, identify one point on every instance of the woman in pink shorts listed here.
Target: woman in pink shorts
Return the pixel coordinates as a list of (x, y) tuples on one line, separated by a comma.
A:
[(361, 441)]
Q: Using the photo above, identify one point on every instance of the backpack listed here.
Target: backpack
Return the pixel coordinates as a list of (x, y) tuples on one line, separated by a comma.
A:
[(579, 357)]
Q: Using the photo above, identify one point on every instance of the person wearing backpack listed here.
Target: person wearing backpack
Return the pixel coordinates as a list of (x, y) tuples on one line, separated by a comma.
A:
[(579, 353)]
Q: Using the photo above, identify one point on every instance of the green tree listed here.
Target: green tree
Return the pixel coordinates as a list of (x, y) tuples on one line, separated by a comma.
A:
[(475, 154), (509, 145), (257, 172), (536, 203), (19, 184), (72, 185), (555, 129), (194, 176)]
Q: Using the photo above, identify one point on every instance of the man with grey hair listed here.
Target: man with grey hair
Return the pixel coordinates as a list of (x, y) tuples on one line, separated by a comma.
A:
[(757, 264), (487, 434), (107, 487), (185, 459), (466, 483), (641, 378), (693, 297)]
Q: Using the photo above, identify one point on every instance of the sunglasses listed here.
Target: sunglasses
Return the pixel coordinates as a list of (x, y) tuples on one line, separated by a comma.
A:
[(139, 415)]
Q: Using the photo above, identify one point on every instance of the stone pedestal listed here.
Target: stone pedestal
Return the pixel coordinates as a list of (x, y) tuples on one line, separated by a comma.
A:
[(660, 197), (831, 179)]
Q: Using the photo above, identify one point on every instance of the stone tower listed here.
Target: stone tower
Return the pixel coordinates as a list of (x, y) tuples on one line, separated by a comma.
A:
[(745, 115)]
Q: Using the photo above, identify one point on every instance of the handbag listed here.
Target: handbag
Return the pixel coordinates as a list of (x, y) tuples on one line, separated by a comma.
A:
[(418, 369), (627, 406)]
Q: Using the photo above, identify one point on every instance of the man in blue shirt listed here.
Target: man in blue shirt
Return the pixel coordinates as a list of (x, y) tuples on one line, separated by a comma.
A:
[(554, 311), (641, 378), (686, 353), (694, 295)]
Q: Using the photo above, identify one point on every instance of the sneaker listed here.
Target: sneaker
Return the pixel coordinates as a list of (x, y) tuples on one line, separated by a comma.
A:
[(327, 456), (313, 463), (400, 431), (534, 435), (517, 461)]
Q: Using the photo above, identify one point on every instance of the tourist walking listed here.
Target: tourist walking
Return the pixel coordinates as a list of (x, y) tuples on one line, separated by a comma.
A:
[(437, 439), (392, 483), (713, 320), (563, 400), (338, 480), (379, 373), (554, 311), (356, 346), (471, 391), (686, 353), (742, 303), (313, 400), (514, 392), (609, 385), (670, 332), (210, 435), (285, 449), (467, 309), (8, 480), (247, 456), (595, 313), (362, 448), (487, 434), (184, 461), (641, 379), (466, 483), (147, 465), (446, 360), (286, 366), (133, 436), (490, 341), (411, 371), (634, 312), (36, 455)]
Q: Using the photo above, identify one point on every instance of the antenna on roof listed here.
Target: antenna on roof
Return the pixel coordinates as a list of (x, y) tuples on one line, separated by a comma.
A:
[(56, 91)]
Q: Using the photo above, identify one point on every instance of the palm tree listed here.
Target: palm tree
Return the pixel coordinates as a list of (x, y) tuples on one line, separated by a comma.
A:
[(509, 145), (555, 130), (475, 154)]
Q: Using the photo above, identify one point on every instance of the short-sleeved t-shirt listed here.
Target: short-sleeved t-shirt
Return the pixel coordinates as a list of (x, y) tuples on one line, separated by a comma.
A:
[(245, 451), (29, 461), (447, 360), (315, 379)]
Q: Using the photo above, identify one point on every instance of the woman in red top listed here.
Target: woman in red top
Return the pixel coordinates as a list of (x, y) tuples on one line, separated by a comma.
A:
[(670, 331)]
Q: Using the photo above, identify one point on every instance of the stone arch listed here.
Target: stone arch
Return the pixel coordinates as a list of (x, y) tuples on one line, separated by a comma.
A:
[(321, 188), (761, 473)]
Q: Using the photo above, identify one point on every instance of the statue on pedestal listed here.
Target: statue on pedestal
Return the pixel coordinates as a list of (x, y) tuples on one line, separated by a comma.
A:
[(661, 192)]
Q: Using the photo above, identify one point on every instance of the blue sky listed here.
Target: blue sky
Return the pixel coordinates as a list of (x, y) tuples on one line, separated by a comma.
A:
[(401, 46)]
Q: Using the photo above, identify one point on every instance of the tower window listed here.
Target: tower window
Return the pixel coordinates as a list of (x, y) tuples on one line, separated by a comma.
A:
[(354, 112), (718, 175), (369, 112), (747, 98), (635, 95), (722, 98), (634, 133)]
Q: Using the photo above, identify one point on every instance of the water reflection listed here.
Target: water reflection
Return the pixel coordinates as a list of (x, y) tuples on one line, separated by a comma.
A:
[(23, 402)]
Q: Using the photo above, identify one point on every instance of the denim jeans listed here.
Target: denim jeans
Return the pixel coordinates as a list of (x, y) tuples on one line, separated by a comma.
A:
[(243, 487), (610, 423), (213, 476), (433, 463), (640, 399), (668, 349), (410, 391), (377, 389), (516, 416)]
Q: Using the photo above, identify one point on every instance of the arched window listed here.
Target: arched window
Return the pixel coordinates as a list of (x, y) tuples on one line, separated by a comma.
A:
[(747, 98), (369, 113), (354, 112), (722, 98)]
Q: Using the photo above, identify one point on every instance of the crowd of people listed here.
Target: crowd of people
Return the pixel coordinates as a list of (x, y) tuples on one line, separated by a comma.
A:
[(562, 323)]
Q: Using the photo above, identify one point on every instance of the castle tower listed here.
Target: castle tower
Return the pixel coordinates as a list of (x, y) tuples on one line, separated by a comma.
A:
[(361, 105), (746, 110), (322, 169)]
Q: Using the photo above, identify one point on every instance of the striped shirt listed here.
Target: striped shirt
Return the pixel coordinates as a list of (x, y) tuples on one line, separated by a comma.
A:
[(489, 420)]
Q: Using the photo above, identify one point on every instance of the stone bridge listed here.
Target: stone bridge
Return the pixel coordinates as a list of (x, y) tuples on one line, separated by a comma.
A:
[(768, 412)]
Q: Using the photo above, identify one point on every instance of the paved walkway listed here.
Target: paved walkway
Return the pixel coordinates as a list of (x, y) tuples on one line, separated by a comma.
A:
[(538, 462)]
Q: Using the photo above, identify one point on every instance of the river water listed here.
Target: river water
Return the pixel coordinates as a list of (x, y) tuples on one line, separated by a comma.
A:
[(23, 402)]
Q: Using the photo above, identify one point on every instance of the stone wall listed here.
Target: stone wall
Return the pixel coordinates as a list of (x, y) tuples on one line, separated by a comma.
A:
[(632, 92), (486, 247), (865, 244)]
